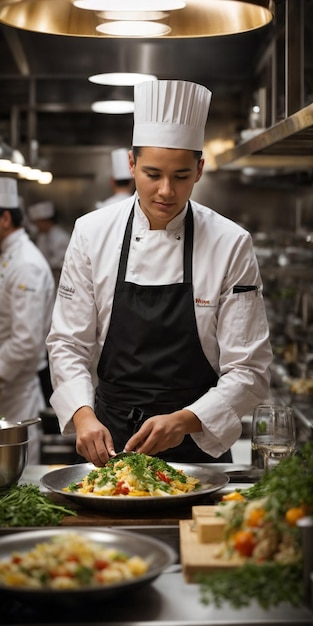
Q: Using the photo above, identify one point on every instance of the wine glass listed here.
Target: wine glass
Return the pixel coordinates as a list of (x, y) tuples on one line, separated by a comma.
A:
[(273, 435)]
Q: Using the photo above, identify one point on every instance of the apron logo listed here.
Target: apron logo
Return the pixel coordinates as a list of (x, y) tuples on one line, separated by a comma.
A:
[(200, 302)]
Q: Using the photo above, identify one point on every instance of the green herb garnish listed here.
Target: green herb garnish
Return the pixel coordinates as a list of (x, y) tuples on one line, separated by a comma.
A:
[(25, 505)]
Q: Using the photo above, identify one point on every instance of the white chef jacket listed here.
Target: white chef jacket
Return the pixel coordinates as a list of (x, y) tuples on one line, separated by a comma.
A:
[(27, 295), (232, 327), (53, 245), (117, 197)]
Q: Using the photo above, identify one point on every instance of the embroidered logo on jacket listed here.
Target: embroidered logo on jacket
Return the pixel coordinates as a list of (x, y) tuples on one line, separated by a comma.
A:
[(201, 302)]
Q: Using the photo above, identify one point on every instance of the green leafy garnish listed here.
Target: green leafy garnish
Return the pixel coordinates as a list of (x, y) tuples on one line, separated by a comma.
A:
[(288, 484), (25, 505)]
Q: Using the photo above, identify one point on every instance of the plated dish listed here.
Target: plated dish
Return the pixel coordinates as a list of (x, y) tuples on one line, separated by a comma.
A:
[(144, 559), (58, 480)]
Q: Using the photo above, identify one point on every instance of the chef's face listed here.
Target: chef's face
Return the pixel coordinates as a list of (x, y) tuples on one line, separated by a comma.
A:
[(164, 180)]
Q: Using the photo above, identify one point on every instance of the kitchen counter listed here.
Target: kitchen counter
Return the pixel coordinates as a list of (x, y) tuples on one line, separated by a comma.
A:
[(167, 601)]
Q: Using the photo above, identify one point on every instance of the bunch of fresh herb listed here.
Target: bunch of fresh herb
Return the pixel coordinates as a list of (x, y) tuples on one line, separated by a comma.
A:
[(25, 505), (289, 484)]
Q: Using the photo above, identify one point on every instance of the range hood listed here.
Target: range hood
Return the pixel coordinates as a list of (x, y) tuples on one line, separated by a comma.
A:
[(287, 144)]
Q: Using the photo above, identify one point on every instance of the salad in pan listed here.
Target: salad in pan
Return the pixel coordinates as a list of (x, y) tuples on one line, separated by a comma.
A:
[(136, 475)]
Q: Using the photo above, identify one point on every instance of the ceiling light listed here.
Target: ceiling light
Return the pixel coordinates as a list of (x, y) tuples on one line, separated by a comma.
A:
[(132, 15), (45, 178), (134, 29), (123, 79), (199, 18), (123, 5), (113, 106)]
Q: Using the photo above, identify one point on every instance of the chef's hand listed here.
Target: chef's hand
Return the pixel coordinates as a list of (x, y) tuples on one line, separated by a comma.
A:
[(161, 432), (93, 439)]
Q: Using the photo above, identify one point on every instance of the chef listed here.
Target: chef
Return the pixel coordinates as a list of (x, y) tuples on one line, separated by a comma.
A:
[(171, 293), (122, 182), (51, 238), (27, 296)]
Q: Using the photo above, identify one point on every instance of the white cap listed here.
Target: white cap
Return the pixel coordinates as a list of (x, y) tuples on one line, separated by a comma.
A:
[(41, 211), (170, 114), (8, 194), (120, 164)]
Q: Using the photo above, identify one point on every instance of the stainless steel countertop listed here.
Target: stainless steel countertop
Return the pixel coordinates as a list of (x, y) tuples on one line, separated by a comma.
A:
[(169, 600)]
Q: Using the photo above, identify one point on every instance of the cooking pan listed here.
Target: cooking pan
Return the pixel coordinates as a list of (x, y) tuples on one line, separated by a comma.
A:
[(58, 479), (158, 554)]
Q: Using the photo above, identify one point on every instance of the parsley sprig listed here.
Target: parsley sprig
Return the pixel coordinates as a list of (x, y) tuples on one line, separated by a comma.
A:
[(25, 505)]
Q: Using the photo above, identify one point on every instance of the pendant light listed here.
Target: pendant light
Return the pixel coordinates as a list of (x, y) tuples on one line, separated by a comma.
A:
[(195, 18)]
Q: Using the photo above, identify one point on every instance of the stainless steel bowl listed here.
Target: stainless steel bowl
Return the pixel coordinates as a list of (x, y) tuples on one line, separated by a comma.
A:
[(13, 450), (13, 458)]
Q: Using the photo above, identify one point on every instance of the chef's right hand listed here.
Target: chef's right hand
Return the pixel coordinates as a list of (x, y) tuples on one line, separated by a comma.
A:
[(93, 439)]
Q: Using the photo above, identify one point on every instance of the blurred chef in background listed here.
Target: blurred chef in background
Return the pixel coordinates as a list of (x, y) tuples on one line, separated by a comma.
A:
[(122, 182), (27, 294), (51, 238)]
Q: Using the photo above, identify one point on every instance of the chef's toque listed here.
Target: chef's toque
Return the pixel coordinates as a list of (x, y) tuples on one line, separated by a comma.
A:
[(120, 164), (8, 193), (170, 114), (41, 211)]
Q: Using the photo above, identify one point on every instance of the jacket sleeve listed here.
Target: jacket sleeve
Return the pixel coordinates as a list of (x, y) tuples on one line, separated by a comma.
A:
[(244, 350), (72, 337)]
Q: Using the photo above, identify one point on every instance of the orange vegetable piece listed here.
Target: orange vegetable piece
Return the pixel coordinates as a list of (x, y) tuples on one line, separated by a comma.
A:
[(233, 495), (244, 542), (294, 514), (256, 517)]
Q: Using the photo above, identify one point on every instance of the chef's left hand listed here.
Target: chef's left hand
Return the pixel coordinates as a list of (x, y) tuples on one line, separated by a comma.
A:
[(161, 432)]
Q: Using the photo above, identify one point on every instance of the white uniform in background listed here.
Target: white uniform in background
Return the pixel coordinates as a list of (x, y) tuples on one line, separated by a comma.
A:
[(53, 245), (120, 171), (232, 326), (27, 294)]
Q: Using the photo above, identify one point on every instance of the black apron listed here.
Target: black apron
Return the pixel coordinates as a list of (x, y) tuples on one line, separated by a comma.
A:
[(152, 357)]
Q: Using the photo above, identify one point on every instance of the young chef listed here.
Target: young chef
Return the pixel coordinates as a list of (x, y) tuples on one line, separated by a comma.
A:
[(172, 294), (27, 294)]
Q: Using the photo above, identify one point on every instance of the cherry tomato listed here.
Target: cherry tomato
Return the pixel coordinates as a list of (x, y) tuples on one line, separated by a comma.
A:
[(162, 476), (256, 517), (244, 542), (121, 488)]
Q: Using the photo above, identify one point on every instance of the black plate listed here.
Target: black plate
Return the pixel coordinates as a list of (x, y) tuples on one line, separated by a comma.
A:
[(157, 553), (58, 479)]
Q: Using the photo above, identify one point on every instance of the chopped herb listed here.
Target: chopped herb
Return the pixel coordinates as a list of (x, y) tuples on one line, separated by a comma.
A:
[(25, 505)]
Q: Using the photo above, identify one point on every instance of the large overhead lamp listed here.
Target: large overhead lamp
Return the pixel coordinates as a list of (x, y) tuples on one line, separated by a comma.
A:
[(122, 79), (199, 18)]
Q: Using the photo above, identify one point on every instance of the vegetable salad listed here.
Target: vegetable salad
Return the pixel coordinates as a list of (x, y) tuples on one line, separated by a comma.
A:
[(261, 522), (69, 561), (137, 475)]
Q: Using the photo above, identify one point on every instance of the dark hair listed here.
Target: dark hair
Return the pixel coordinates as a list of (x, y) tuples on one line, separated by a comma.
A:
[(16, 216), (137, 151)]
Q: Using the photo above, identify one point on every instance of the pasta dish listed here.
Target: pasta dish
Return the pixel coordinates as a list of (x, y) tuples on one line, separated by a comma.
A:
[(136, 475)]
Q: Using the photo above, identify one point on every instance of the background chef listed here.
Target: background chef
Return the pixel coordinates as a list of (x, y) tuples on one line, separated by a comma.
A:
[(121, 180), (171, 292), (27, 295)]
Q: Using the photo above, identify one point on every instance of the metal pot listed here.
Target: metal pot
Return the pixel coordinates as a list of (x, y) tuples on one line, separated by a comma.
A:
[(13, 449), (15, 433)]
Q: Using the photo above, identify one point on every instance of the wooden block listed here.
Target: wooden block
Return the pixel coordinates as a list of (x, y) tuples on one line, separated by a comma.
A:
[(199, 557), (204, 510), (210, 529)]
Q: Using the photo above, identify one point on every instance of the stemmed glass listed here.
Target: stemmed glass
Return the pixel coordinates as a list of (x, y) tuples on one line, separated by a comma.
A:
[(273, 435)]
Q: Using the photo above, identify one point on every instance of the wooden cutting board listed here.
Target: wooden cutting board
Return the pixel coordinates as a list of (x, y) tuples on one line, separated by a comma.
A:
[(199, 543)]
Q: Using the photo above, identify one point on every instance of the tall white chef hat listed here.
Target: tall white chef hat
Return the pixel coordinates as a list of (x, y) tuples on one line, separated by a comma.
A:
[(41, 211), (170, 114), (120, 166), (8, 193)]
